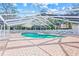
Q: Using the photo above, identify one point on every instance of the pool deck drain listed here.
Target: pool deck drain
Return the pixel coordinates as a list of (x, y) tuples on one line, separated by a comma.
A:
[(17, 45)]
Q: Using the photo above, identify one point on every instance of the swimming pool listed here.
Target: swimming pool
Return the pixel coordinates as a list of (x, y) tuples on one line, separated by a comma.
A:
[(38, 35)]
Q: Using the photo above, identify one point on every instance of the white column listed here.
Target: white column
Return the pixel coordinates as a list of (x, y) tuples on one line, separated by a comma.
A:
[(40, 27), (1, 31), (8, 32), (78, 29), (13, 29), (4, 31), (35, 28)]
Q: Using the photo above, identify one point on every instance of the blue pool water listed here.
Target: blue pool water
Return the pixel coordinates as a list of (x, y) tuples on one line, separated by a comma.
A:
[(37, 35)]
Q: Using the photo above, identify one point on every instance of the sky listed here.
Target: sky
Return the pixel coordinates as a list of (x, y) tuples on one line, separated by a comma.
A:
[(30, 8), (34, 8)]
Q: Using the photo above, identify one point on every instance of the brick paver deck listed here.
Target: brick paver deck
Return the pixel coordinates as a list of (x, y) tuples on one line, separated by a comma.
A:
[(17, 45)]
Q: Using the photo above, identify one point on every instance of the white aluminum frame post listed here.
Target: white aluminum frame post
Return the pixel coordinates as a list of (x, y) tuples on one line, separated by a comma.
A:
[(3, 29)]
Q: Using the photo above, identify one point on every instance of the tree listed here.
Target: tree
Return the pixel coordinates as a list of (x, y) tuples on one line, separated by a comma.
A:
[(7, 8)]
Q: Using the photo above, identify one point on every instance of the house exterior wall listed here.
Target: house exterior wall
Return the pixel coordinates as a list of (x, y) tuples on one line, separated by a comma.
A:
[(75, 28)]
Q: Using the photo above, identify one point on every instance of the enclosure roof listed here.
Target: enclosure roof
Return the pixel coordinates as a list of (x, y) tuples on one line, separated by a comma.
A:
[(28, 19)]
